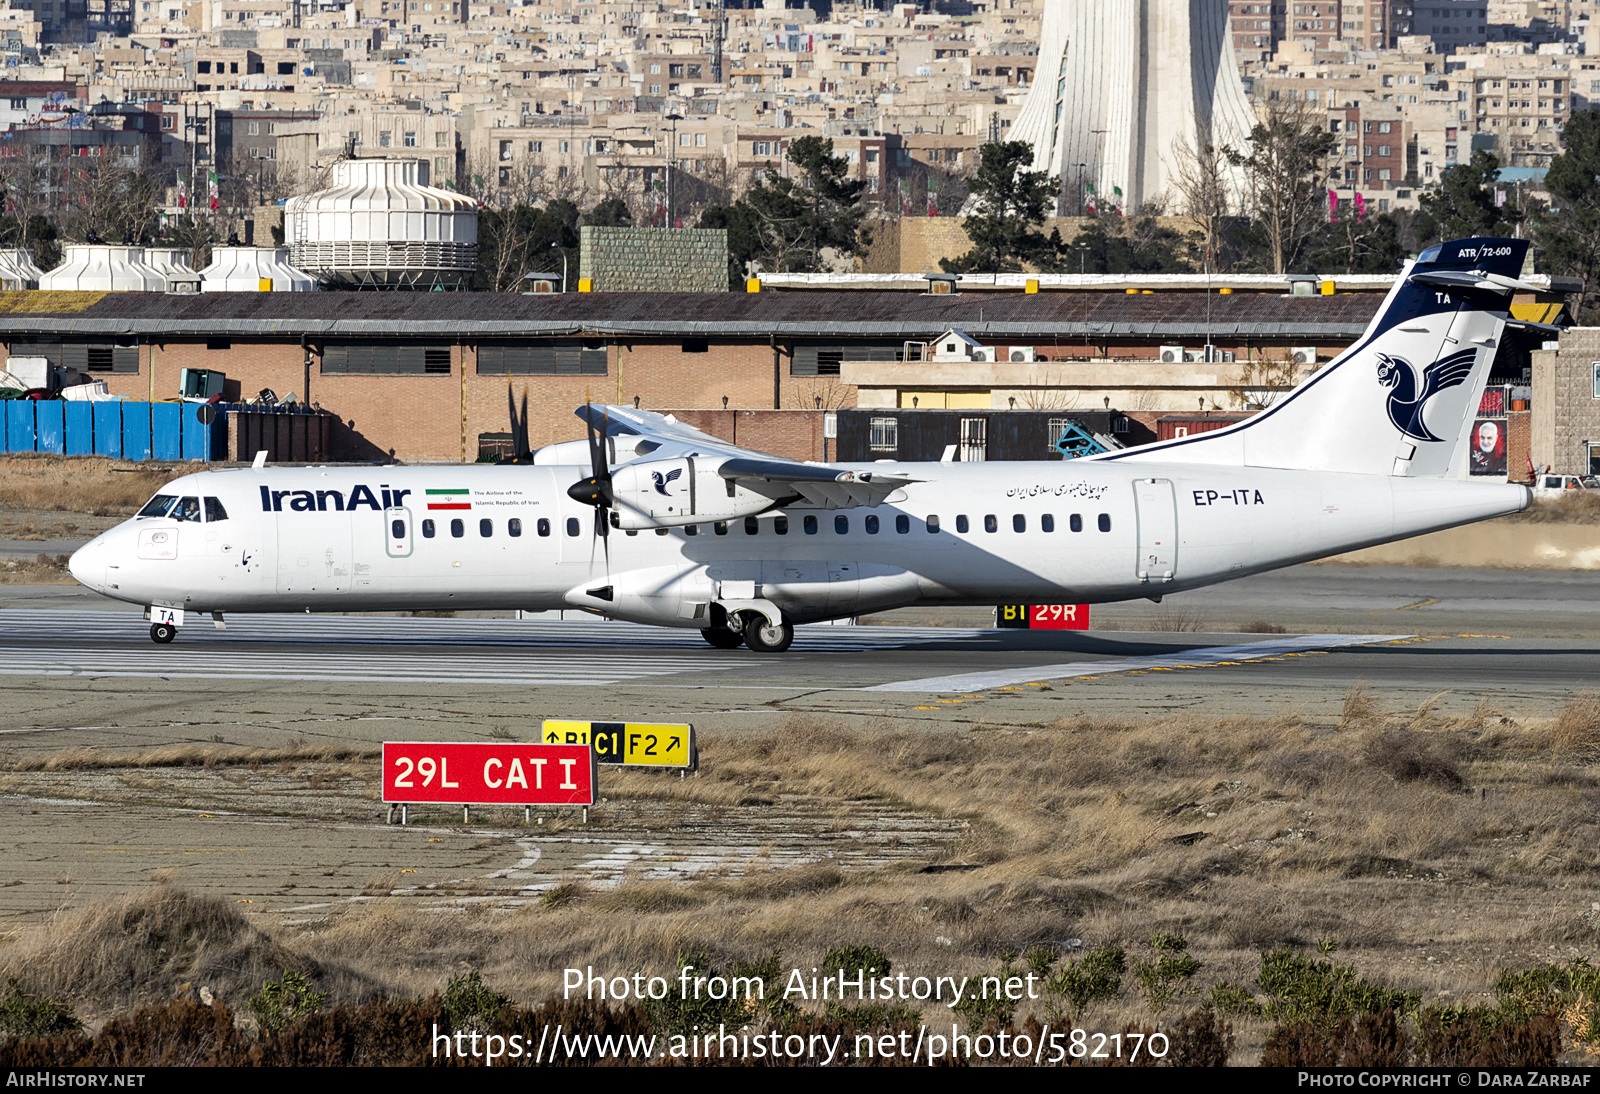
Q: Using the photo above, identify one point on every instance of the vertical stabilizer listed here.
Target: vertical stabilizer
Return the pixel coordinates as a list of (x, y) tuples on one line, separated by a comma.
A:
[(1401, 401)]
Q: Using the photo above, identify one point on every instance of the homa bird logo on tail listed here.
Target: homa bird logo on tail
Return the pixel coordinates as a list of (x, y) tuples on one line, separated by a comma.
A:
[(662, 480), (1405, 404)]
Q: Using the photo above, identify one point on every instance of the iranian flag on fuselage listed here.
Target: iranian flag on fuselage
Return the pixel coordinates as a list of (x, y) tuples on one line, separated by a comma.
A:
[(449, 499)]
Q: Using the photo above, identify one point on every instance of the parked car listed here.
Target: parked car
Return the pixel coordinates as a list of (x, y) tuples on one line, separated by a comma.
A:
[(1558, 486)]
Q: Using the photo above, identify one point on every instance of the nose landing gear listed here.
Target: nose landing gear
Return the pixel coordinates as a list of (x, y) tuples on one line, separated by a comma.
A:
[(163, 632)]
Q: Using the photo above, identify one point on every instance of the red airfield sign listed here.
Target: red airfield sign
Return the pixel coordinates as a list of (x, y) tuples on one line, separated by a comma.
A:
[(416, 772)]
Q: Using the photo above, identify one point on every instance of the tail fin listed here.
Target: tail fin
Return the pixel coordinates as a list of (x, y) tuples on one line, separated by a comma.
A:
[(1401, 400)]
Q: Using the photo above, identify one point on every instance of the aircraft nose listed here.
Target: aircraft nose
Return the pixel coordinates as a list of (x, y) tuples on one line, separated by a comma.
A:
[(88, 564)]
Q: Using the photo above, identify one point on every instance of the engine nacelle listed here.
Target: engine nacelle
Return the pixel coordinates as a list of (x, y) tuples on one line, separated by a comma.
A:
[(670, 493)]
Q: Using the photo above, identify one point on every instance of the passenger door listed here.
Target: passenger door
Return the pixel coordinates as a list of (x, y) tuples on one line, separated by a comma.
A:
[(1158, 530)]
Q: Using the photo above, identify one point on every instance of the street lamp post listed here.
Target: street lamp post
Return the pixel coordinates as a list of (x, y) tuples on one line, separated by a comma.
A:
[(672, 151)]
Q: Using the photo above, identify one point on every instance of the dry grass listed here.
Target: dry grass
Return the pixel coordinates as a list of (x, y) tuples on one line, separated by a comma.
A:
[(189, 755), (1440, 831), (80, 484), (1575, 735), (39, 570), (1172, 617), (148, 947), (1261, 626)]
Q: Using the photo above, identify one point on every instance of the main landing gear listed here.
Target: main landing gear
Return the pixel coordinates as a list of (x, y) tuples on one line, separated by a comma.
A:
[(763, 637), (163, 632), (757, 633)]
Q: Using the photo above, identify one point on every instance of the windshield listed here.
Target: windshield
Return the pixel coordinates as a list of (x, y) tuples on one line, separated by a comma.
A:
[(158, 505)]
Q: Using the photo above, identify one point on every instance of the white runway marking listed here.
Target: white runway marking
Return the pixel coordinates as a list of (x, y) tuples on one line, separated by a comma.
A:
[(1252, 651), (500, 651)]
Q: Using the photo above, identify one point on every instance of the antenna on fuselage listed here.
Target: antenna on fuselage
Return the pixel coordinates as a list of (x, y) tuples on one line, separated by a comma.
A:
[(260, 461)]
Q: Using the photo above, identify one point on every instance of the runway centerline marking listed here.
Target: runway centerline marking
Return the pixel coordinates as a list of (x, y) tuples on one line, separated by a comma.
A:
[(1201, 658)]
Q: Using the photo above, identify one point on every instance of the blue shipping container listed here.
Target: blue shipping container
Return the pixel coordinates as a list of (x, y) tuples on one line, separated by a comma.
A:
[(136, 431), (51, 427), (199, 439), (19, 425), (108, 428), (166, 430), (78, 420)]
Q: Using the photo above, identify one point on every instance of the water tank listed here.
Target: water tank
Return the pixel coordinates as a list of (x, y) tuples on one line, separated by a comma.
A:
[(17, 270), (378, 226), (254, 269), (100, 267)]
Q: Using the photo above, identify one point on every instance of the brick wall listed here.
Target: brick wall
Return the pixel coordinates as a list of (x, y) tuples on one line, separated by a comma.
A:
[(654, 259), (1576, 411), (789, 434)]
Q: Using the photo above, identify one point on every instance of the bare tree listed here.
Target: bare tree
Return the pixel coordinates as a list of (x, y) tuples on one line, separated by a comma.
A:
[(1266, 380), (1286, 173), (1201, 191)]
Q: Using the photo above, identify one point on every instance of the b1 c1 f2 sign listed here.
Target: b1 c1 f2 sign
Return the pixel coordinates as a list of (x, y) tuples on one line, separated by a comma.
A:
[(417, 772)]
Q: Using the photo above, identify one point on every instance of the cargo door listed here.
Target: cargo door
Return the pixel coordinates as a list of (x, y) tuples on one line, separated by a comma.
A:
[(1158, 530), (314, 556)]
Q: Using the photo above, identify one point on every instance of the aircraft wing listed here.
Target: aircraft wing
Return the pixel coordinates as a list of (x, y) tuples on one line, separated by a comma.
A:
[(659, 437)]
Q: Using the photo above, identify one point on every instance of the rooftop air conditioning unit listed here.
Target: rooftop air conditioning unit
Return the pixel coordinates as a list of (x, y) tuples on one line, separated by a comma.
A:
[(1171, 355), (1022, 353), (1303, 355)]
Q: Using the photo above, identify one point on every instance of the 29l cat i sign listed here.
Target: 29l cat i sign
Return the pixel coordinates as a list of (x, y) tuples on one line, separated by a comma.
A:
[(416, 772)]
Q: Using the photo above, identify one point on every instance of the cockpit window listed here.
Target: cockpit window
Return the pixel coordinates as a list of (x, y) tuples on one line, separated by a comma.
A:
[(157, 506), (187, 509), (215, 511)]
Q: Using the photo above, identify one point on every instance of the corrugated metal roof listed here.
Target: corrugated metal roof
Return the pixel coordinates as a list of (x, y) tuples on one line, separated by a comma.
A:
[(473, 316)]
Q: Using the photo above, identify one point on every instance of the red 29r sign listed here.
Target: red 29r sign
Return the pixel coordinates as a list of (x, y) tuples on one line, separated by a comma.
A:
[(419, 772)]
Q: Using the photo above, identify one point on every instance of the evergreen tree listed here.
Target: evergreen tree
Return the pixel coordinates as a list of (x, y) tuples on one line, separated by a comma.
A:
[(1463, 205), (792, 224), (1012, 203), (1570, 231)]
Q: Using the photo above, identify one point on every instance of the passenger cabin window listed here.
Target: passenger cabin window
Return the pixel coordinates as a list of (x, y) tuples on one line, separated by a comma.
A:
[(427, 529), (721, 526), (215, 511), (751, 526), (486, 528), (1019, 523), (961, 523), (780, 526), (1075, 522), (458, 529), (572, 526), (991, 523), (514, 527), (1105, 522), (872, 525), (841, 524), (543, 527), (1047, 522), (691, 529), (933, 523), (902, 524), (811, 526), (397, 528)]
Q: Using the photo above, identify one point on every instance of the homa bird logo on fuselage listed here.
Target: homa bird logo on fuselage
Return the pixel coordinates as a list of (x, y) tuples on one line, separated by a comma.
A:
[(1405, 404), (321, 501), (662, 480)]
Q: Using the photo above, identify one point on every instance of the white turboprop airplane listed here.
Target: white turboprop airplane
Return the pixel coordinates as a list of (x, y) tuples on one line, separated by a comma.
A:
[(652, 521)]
